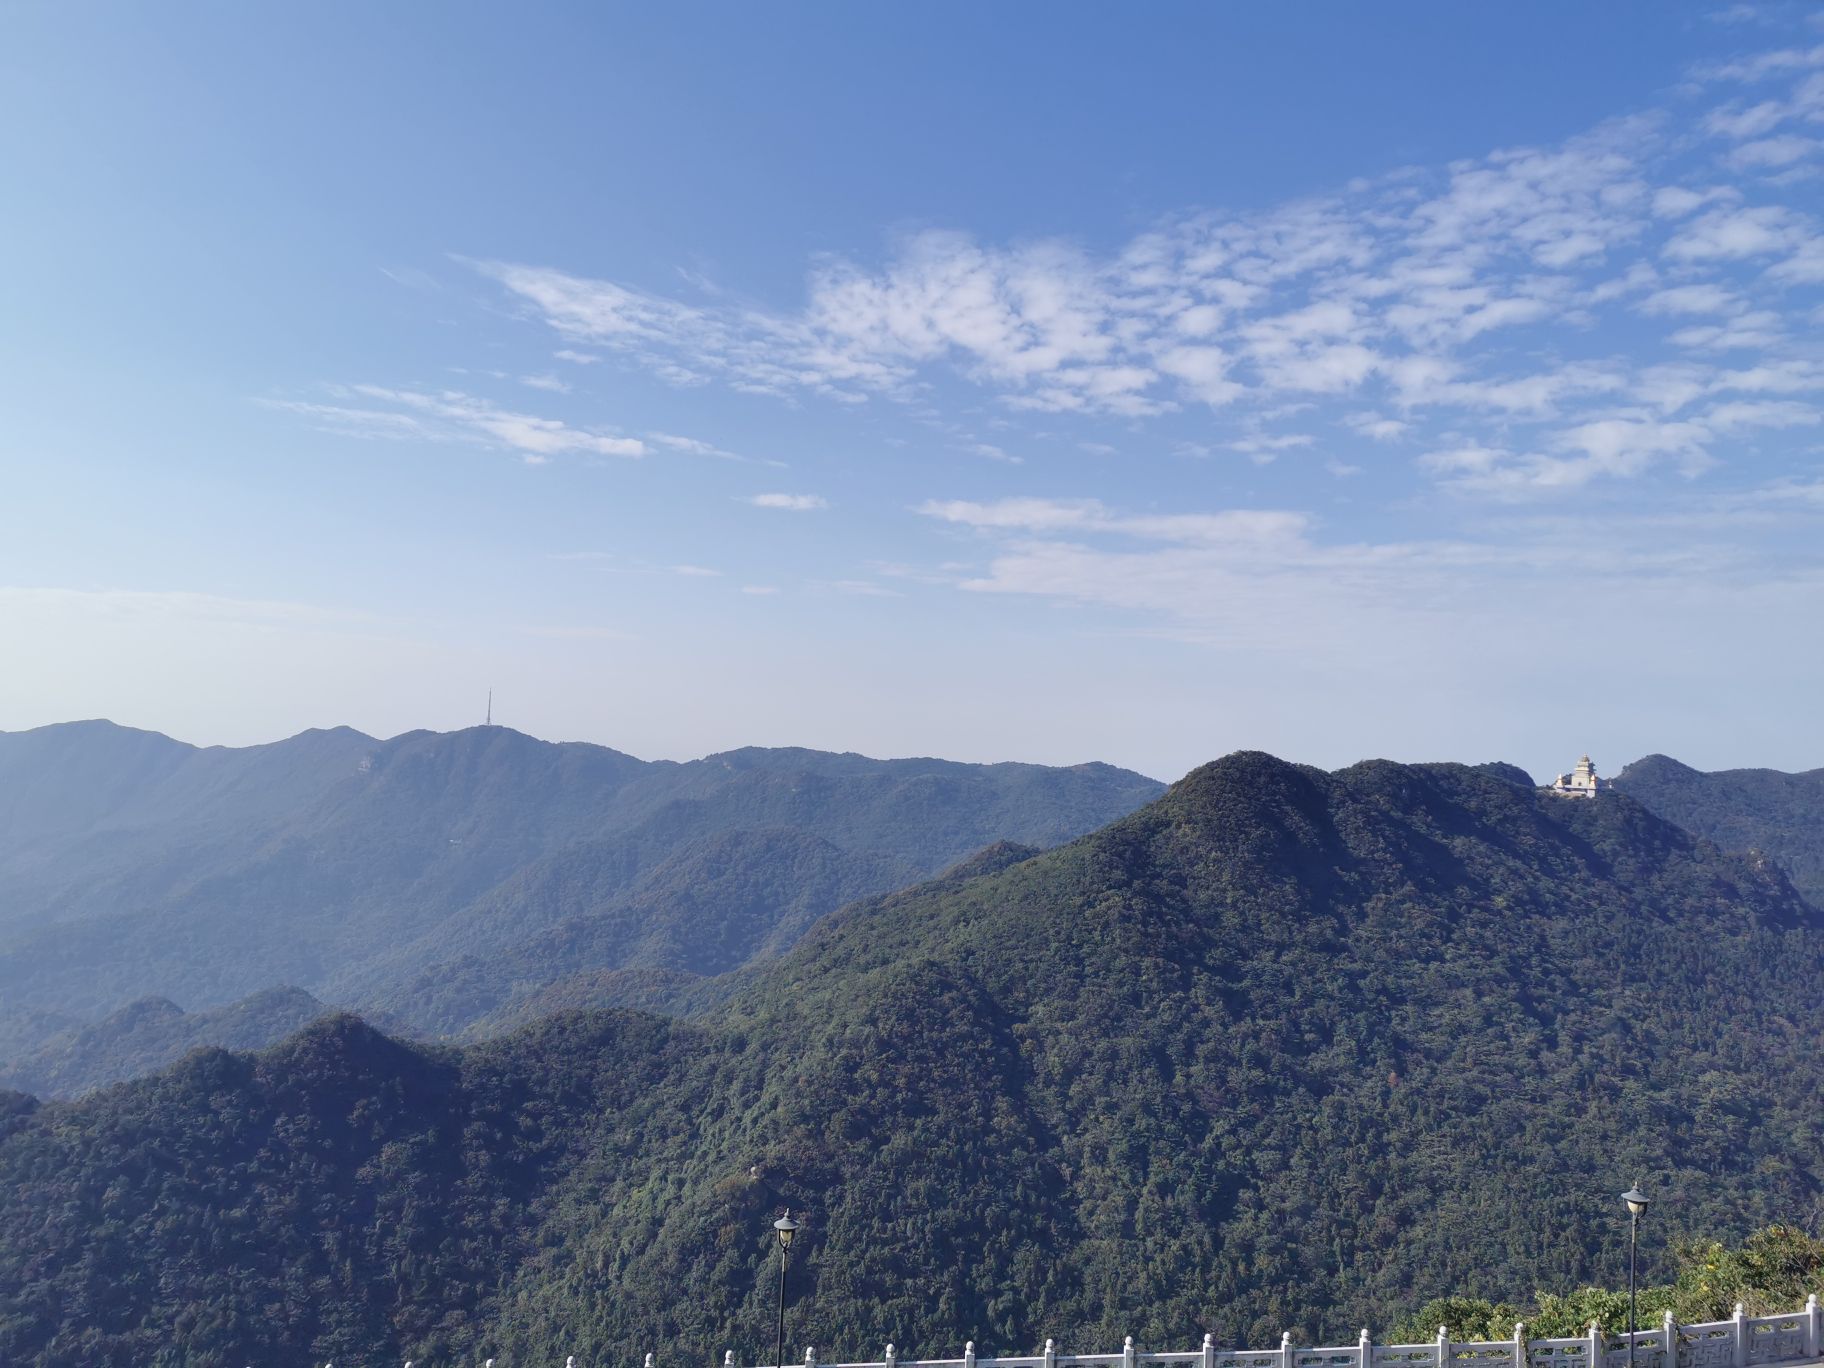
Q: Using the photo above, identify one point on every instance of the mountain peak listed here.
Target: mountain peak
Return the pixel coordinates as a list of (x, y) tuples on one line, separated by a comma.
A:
[(1659, 768)]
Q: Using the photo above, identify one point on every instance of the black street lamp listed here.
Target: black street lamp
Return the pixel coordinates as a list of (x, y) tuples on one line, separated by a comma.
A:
[(785, 1227), (1637, 1203)]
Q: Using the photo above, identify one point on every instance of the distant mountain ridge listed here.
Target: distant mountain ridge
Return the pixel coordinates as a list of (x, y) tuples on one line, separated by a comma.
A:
[(135, 866), (152, 1033), (1283, 1049), (1775, 813)]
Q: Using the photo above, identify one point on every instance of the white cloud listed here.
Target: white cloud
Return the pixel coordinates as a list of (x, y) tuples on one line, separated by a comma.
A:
[(1691, 299), (994, 453), (1248, 527), (375, 424), (1737, 121), (796, 503), (691, 445), (1377, 427), (549, 383), (695, 571), (1773, 153), (1762, 65), (1264, 448), (1750, 331), (537, 439), (1804, 267), (1621, 445), (1795, 491), (1483, 304), (1675, 201), (1731, 233), (1765, 413), (760, 590), (1465, 460), (454, 416)]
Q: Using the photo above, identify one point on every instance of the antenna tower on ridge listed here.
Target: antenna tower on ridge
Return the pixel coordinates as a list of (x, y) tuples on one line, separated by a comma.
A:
[(490, 721)]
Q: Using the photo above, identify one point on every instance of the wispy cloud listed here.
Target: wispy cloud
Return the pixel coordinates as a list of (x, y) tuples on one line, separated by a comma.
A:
[(1268, 579), (451, 415), (795, 503), (1473, 298), (1248, 527), (383, 412)]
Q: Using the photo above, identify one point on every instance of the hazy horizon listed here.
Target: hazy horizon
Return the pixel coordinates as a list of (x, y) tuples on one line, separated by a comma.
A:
[(1614, 765)]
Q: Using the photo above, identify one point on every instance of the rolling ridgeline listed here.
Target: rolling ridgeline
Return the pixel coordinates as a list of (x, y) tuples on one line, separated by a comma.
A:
[(437, 881), (1280, 1050)]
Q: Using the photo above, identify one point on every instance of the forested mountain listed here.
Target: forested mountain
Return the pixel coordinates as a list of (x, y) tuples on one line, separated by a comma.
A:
[(134, 866), (1283, 1049), (1778, 814)]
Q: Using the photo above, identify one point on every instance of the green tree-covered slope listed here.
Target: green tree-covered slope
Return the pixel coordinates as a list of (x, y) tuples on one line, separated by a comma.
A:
[(1284, 1049)]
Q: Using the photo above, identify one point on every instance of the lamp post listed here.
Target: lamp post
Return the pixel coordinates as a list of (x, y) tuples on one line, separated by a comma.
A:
[(785, 1227), (1637, 1202)]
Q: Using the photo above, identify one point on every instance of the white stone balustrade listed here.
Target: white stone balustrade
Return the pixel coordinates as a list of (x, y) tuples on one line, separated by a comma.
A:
[(1742, 1341)]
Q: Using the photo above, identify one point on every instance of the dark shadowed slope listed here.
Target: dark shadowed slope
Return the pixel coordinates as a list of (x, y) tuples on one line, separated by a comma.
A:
[(1283, 1049), (1778, 814)]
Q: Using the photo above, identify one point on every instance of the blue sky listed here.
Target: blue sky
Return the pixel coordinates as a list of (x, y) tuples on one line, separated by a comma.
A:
[(1042, 382)]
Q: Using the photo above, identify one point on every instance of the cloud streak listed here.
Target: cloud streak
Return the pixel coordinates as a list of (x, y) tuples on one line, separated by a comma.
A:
[(791, 503)]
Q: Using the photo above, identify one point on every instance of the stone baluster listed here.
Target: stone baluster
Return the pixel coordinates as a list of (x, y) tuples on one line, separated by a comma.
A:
[(1669, 1331), (1741, 1336), (1364, 1350), (1443, 1347), (728, 1358), (1127, 1353), (810, 1357), (1519, 1344), (969, 1354), (1051, 1354), (1285, 1349), (1208, 1358), (892, 1359), (1814, 1327), (1596, 1346)]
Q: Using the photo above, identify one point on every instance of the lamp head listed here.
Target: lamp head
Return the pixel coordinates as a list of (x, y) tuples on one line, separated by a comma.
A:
[(786, 1228), (1637, 1200)]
